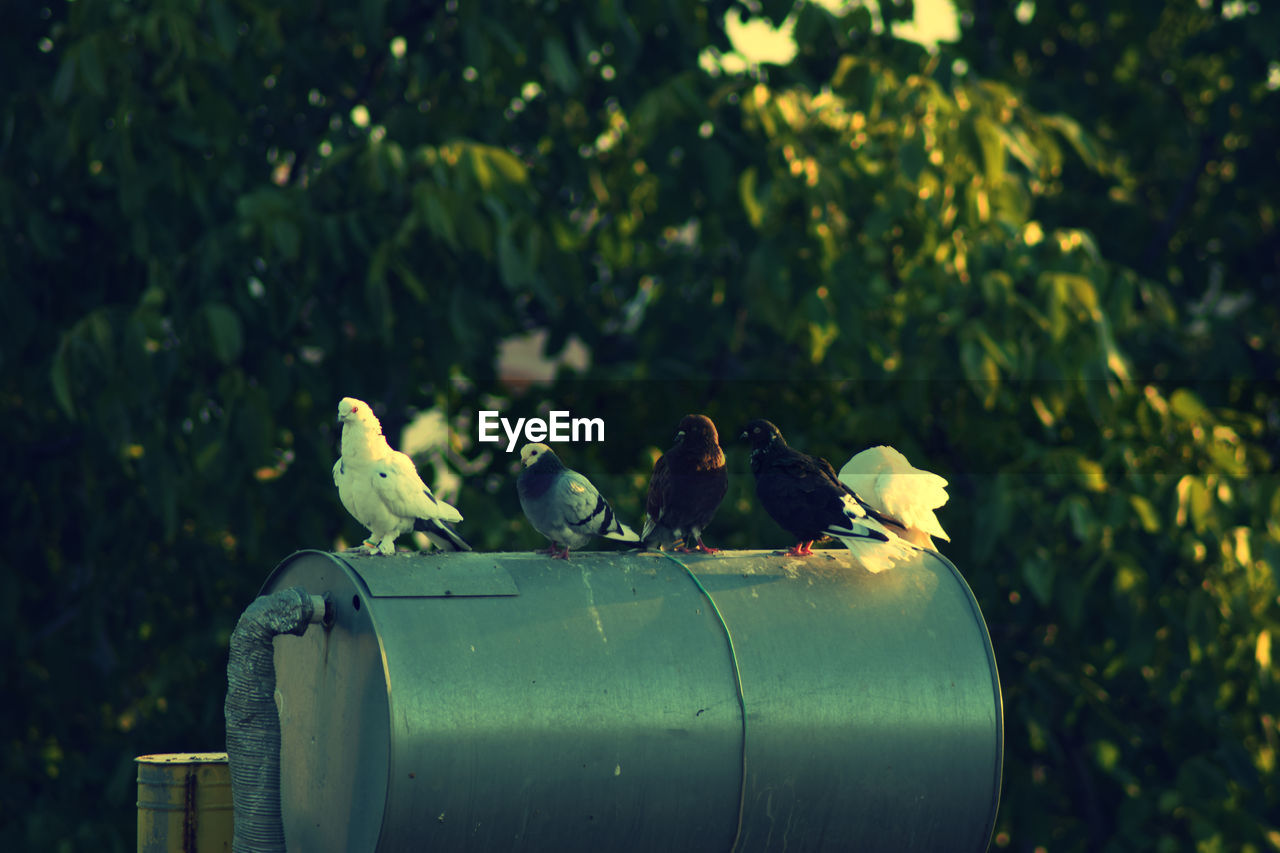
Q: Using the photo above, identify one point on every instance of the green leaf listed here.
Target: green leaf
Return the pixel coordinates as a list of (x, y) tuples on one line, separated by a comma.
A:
[(747, 192), (1187, 406), (507, 164), (1194, 503), (224, 27), (981, 370), (1146, 513), (1083, 522), (91, 66), (991, 143), (511, 266), (225, 331), (1090, 474), (60, 379), (561, 67), (1072, 132), (206, 456), (432, 206), (480, 168), (821, 337), (287, 238), (1038, 574), (911, 157), (64, 81), (410, 280)]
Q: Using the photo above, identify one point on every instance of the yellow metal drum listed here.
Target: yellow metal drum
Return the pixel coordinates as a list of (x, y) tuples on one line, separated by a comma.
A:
[(184, 803)]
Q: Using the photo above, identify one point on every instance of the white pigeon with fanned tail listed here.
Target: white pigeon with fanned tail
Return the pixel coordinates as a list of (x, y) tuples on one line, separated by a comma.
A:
[(381, 488), (903, 494)]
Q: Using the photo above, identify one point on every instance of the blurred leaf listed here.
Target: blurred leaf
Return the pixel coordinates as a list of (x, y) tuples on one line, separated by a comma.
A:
[(1187, 406), (991, 145), (562, 69), (1072, 132), (225, 331), (1039, 577), (747, 192), (60, 380), (1146, 513)]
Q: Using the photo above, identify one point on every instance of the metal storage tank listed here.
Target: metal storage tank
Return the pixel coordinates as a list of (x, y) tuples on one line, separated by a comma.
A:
[(631, 701)]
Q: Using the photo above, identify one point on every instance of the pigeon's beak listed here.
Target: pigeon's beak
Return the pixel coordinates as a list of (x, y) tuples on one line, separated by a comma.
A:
[(743, 436), (680, 434)]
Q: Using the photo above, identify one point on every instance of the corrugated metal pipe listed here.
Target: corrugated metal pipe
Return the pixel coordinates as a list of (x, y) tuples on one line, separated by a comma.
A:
[(253, 725)]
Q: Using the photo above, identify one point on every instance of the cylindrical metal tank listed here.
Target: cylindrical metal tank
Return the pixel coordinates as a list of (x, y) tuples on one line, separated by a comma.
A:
[(184, 803), (634, 701)]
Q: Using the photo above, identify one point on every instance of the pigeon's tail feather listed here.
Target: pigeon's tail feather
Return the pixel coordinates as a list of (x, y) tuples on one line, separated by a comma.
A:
[(621, 532), (444, 511), (655, 534), (441, 534), (873, 553)]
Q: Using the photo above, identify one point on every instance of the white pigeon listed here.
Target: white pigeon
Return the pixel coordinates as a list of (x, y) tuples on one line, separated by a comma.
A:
[(901, 493), (381, 488)]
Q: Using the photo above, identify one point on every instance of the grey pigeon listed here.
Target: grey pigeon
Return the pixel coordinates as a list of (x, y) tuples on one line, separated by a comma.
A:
[(562, 505)]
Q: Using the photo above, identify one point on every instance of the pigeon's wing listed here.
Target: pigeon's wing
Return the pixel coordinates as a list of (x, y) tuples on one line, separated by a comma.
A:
[(351, 488), (801, 503), (809, 474), (656, 501), (824, 469), (586, 511), (402, 491)]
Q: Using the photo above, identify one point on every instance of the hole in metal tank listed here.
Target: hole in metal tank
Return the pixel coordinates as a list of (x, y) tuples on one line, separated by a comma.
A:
[(355, 602)]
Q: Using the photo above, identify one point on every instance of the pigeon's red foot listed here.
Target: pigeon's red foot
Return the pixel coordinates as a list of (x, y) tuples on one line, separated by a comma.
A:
[(801, 549), (706, 549)]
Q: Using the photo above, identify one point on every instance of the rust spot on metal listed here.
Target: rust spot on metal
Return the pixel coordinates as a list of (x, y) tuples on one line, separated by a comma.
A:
[(189, 822)]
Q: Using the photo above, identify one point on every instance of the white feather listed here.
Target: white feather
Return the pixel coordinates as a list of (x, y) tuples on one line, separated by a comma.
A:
[(859, 537), (894, 488)]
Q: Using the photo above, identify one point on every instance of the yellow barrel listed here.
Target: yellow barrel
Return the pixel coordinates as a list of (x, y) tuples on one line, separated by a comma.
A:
[(184, 803)]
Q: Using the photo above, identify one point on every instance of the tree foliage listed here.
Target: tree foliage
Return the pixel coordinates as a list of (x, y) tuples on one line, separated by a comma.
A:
[(225, 216)]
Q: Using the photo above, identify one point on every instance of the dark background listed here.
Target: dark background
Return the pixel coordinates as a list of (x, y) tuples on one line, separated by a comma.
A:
[(1041, 261)]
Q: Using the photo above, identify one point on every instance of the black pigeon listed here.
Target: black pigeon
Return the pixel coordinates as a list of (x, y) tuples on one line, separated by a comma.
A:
[(687, 486), (803, 495)]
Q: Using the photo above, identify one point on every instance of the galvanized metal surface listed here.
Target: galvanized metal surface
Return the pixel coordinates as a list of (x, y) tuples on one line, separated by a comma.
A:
[(184, 803), (599, 707)]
